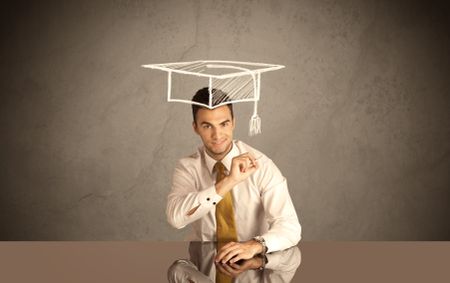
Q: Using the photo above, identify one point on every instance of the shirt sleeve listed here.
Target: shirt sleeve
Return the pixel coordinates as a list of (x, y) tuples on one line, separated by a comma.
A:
[(185, 203), (284, 263), (284, 227)]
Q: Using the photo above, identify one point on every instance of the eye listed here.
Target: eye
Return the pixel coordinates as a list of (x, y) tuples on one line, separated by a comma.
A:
[(205, 126), (225, 124)]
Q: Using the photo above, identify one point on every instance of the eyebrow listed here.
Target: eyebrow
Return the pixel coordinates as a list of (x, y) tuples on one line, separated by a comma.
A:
[(206, 123)]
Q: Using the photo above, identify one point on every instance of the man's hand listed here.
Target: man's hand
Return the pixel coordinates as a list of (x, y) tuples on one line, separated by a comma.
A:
[(242, 166), (234, 269), (233, 251)]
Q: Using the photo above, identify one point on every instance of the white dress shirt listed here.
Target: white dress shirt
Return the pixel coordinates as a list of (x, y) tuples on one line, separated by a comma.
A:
[(262, 204)]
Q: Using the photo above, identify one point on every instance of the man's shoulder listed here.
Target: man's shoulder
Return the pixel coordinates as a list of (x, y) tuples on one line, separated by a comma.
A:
[(192, 160), (243, 147), (268, 170)]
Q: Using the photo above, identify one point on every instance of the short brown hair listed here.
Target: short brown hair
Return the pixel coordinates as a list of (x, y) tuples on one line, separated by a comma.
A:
[(202, 96)]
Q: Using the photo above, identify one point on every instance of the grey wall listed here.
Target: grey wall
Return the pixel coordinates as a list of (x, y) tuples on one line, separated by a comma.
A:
[(358, 121)]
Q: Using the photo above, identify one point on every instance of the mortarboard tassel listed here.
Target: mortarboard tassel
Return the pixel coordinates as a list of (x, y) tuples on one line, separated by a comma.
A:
[(255, 122), (255, 125)]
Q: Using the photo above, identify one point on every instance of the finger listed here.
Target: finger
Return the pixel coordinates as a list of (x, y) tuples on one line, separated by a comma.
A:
[(223, 246), (244, 154), (251, 170), (224, 250), (221, 269), (256, 164), (248, 155), (246, 264), (219, 256), (236, 258), (245, 157), (227, 245), (239, 163), (230, 270), (225, 254), (249, 163), (242, 168), (231, 254), (235, 265), (240, 157), (252, 158), (246, 164)]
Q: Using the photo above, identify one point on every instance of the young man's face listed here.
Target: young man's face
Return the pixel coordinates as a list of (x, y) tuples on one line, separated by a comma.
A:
[(215, 128)]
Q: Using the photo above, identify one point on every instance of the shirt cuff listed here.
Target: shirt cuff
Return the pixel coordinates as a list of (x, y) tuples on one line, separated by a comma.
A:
[(270, 261), (271, 242), (209, 197)]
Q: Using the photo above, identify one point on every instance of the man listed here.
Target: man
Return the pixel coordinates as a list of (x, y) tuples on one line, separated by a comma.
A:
[(229, 191)]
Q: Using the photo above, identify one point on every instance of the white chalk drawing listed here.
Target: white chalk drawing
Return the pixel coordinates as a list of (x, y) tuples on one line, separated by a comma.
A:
[(239, 81)]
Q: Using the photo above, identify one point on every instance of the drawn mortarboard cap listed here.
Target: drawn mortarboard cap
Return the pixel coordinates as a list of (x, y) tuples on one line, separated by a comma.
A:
[(227, 81)]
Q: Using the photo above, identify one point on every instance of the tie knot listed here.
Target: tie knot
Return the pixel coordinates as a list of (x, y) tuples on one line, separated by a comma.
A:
[(219, 168)]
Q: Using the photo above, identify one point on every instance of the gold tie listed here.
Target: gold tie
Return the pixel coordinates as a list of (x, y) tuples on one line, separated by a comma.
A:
[(226, 225)]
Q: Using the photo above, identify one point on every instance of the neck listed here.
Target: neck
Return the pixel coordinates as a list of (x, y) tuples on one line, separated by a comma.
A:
[(219, 157)]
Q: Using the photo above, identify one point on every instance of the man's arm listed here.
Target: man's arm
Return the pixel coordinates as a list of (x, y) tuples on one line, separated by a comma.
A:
[(185, 204), (284, 227), (242, 166)]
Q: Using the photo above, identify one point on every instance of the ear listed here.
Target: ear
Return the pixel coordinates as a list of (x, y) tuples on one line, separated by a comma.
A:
[(194, 127)]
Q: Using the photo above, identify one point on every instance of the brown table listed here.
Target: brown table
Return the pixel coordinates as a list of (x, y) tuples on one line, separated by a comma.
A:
[(148, 261)]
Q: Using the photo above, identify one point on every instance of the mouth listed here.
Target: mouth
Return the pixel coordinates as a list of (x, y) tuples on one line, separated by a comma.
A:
[(218, 143)]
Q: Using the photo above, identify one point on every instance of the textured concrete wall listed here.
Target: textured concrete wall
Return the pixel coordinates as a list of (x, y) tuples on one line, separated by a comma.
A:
[(358, 121)]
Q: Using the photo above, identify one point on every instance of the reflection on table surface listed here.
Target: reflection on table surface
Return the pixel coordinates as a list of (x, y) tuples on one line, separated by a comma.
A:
[(148, 261), (200, 267)]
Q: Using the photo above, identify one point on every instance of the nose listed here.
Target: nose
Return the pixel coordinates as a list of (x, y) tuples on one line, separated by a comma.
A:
[(215, 134)]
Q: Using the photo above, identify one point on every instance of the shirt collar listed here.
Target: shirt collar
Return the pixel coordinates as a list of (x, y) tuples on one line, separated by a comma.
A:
[(210, 162)]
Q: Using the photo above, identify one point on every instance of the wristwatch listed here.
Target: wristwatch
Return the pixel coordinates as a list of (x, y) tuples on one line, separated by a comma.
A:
[(261, 240), (262, 255), (264, 261)]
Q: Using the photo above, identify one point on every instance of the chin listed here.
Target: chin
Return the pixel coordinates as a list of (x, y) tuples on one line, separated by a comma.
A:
[(221, 149), (218, 151)]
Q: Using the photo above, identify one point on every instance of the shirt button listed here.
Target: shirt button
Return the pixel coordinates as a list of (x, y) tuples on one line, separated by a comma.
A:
[(207, 199)]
